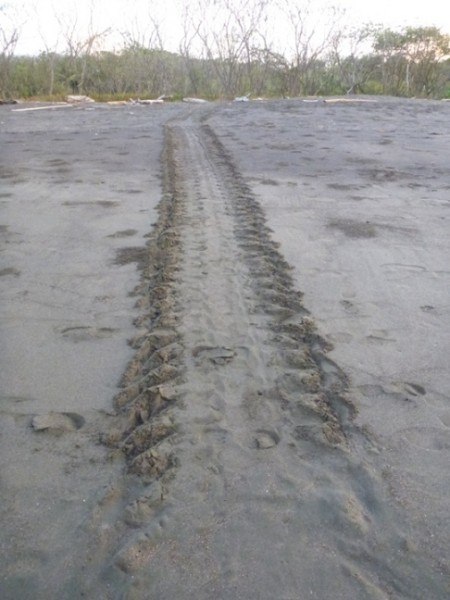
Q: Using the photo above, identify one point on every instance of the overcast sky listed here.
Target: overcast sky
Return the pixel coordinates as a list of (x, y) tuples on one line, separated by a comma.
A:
[(39, 28)]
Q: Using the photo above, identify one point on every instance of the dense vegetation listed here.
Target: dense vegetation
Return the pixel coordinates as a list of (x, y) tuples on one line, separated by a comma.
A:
[(235, 58)]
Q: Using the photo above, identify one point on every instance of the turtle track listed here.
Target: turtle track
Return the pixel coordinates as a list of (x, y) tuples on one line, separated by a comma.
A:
[(149, 384), (237, 429)]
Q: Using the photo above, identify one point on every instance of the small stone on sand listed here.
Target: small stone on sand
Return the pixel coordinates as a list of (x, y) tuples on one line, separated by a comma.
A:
[(265, 440), (57, 422)]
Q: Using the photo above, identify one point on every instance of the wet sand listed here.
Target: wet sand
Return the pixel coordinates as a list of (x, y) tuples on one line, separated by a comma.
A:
[(277, 425)]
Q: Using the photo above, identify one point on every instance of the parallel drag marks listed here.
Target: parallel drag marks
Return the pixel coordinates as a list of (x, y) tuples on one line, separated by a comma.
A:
[(251, 479)]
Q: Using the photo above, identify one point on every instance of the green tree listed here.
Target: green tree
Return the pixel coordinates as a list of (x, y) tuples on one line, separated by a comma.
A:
[(425, 48), (411, 59)]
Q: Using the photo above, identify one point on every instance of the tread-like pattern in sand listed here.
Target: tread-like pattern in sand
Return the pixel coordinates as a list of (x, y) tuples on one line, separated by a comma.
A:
[(233, 302), (234, 421)]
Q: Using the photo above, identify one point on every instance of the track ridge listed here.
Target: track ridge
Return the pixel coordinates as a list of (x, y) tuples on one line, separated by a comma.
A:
[(148, 383), (294, 333)]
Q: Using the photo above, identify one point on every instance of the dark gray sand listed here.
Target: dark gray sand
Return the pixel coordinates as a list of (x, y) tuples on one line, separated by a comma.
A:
[(277, 426)]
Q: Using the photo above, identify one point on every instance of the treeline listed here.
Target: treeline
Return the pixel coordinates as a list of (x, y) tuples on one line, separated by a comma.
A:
[(236, 57)]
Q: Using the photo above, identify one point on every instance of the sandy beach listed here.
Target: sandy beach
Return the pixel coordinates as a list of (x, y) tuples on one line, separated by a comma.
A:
[(224, 359)]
